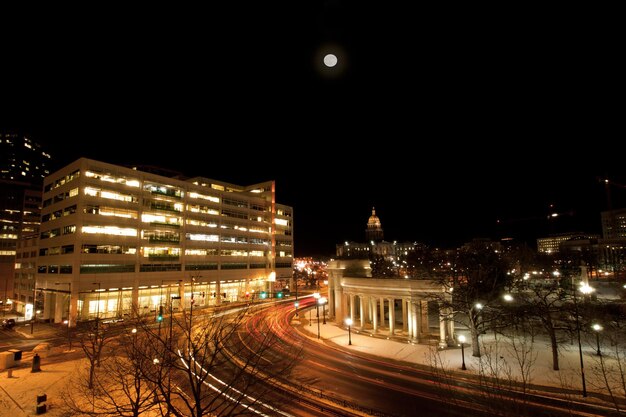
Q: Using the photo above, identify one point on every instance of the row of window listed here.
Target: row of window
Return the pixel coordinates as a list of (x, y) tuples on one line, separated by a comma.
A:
[(54, 269), (59, 213), (63, 180), (113, 178), (60, 197), (56, 250), (65, 230), (147, 251), (124, 268), (18, 255)]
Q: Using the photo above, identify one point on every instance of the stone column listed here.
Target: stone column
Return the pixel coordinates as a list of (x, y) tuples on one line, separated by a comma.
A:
[(442, 329), (392, 317), (450, 325), (331, 301), (382, 312), (339, 305), (375, 314), (406, 307), (352, 307), (405, 317), (362, 311), (417, 319), (424, 327)]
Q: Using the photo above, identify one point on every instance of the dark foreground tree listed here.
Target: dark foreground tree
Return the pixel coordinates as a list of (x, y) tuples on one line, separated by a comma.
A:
[(218, 363)]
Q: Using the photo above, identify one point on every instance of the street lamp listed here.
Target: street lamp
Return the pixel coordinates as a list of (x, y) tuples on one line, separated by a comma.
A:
[(349, 323), (69, 334), (322, 301), (462, 340), (69, 304), (317, 297), (598, 328), (32, 323)]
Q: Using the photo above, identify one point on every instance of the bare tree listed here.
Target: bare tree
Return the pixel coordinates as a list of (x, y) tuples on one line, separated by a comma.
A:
[(118, 387), (544, 304), (478, 279), (216, 364)]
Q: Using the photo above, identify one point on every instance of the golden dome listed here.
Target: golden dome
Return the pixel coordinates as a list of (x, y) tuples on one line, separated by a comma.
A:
[(374, 221)]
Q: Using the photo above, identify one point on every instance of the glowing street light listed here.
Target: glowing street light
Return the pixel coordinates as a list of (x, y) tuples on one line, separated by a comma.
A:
[(508, 297), (349, 323), (597, 328), (462, 340), (323, 301), (69, 334)]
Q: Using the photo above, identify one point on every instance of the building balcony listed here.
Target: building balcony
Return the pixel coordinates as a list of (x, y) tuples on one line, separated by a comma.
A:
[(174, 225), (164, 207), (164, 257), (160, 239)]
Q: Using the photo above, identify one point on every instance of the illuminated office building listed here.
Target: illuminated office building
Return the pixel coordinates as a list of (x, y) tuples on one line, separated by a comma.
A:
[(23, 165), (115, 240)]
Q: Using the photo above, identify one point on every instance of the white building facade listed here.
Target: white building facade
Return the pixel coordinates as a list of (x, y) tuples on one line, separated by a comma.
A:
[(115, 241)]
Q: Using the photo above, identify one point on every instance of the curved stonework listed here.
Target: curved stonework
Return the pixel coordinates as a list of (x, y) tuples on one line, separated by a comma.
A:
[(368, 302)]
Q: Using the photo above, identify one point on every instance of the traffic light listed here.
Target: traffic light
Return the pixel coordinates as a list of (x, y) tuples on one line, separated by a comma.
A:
[(160, 316), (247, 294), (279, 295), (263, 295)]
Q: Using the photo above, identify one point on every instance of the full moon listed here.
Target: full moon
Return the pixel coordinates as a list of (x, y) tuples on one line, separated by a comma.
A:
[(330, 60)]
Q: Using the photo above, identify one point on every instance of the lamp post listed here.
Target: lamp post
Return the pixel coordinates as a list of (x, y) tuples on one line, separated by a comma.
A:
[(69, 304), (323, 301), (597, 328), (32, 323), (349, 323), (462, 340), (69, 334), (317, 296)]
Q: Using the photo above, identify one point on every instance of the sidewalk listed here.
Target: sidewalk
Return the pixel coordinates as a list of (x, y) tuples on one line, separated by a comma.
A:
[(18, 394), (568, 378)]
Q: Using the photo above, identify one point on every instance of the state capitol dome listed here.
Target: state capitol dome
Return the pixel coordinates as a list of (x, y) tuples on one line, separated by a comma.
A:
[(374, 229)]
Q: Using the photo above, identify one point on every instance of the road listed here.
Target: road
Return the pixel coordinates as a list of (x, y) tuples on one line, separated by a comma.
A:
[(386, 387)]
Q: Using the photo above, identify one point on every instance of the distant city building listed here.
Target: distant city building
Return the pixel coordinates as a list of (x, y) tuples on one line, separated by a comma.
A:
[(375, 245), (614, 224), (21, 159), (552, 243), (116, 240), (23, 164)]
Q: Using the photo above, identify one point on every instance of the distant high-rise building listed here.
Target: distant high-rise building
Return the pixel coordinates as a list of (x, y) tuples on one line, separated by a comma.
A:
[(553, 243), (374, 231), (23, 165), (117, 241), (22, 159), (614, 224)]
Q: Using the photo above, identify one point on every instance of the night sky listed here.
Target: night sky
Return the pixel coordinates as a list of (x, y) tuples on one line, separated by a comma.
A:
[(445, 123)]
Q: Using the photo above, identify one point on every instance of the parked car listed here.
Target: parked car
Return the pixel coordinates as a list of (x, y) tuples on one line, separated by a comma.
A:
[(8, 323)]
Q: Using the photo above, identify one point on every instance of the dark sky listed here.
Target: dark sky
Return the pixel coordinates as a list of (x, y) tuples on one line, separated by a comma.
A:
[(445, 120)]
